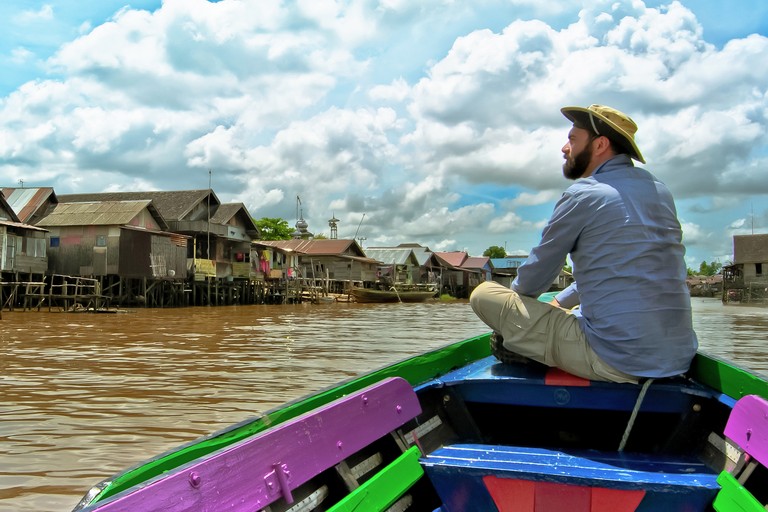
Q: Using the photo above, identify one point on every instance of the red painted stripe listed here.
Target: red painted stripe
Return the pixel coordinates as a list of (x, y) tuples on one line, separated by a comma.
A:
[(514, 495)]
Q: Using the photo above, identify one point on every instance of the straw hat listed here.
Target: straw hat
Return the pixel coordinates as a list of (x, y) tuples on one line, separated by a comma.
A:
[(607, 121)]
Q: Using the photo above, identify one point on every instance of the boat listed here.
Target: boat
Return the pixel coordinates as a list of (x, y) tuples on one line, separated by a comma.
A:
[(395, 293), (454, 429)]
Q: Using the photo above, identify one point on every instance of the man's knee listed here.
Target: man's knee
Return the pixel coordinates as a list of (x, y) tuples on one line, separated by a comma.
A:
[(479, 293)]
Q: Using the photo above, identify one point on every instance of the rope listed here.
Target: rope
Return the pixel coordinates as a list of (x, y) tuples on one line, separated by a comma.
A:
[(631, 423)]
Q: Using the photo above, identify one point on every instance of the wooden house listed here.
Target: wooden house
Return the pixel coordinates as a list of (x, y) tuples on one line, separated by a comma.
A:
[(23, 247), (481, 270), (125, 246), (456, 279), (430, 267), (219, 235), (397, 264), (746, 279), (333, 263), (505, 269), (125, 238)]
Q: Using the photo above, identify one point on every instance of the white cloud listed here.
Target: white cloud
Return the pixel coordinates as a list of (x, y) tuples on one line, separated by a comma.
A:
[(280, 100), (45, 13)]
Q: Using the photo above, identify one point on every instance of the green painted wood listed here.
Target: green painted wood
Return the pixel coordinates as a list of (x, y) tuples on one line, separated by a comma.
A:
[(385, 487), (725, 377), (733, 497), (415, 370)]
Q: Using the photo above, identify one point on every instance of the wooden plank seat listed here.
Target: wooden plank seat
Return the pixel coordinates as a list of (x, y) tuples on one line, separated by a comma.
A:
[(747, 433), (526, 479), (258, 471)]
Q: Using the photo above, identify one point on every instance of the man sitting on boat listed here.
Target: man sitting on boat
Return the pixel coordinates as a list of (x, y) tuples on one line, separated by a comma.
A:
[(619, 224)]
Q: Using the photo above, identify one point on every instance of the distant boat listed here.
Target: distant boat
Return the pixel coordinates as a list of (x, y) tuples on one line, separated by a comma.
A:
[(396, 293)]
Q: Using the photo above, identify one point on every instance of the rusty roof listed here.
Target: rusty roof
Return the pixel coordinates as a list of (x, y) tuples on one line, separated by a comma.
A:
[(324, 247), (454, 258), (27, 202)]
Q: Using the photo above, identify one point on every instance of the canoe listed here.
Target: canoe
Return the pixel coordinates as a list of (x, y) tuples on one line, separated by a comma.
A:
[(373, 295), (455, 430)]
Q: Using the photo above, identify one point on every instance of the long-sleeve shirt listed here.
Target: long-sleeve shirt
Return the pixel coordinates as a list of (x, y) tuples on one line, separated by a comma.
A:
[(621, 229)]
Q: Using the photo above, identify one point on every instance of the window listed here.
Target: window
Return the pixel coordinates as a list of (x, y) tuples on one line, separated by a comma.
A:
[(101, 241), (759, 269), (54, 241)]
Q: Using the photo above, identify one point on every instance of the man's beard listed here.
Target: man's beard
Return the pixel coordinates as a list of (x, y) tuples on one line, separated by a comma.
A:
[(574, 168)]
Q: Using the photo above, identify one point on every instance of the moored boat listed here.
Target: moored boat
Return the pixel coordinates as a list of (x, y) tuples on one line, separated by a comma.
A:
[(455, 430)]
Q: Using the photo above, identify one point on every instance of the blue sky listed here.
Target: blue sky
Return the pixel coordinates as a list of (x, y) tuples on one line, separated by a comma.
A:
[(434, 121)]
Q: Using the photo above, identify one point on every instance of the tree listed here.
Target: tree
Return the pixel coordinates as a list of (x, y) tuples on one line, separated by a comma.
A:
[(710, 269), (495, 251), (274, 228)]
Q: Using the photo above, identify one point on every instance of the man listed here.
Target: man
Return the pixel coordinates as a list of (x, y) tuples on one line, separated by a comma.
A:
[(619, 225)]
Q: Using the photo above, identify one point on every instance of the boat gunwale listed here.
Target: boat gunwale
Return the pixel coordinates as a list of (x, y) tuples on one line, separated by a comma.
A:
[(722, 376)]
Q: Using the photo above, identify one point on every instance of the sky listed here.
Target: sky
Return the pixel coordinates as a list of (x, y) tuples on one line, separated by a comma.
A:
[(436, 122)]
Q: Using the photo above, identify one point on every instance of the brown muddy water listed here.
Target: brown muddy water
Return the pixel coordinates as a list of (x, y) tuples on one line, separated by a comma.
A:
[(84, 396)]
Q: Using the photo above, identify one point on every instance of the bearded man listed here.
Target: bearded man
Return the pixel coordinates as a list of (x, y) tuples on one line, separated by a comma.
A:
[(619, 225)]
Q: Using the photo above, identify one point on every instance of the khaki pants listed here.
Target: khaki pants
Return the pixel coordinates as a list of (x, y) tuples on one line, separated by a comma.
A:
[(541, 332)]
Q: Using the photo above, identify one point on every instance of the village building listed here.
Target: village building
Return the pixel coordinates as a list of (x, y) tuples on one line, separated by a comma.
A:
[(483, 266), (23, 257), (746, 279), (457, 280), (398, 264), (319, 266), (123, 248), (218, 240), (505, 269)]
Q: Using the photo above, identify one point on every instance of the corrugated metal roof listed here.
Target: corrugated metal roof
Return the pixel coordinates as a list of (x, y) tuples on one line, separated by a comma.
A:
[(21, 225), (391, 256), (28, 201), (173, 205), (455, 258), (477, 262), (102, 213), (325, 247), (6, 211)]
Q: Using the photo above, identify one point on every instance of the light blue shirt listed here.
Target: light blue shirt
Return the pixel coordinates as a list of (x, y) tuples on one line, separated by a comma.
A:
[(620, 227)]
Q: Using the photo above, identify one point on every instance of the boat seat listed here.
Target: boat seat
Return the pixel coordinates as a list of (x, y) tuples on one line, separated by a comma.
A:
[(524, 479), (747, 429), (270, 466)]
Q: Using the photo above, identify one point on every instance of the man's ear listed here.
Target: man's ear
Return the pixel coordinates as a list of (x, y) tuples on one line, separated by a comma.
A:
[(603, 146)]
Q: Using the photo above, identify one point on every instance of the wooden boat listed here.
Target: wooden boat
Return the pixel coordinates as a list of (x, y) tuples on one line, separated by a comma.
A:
[(456, 430), (394, 294)]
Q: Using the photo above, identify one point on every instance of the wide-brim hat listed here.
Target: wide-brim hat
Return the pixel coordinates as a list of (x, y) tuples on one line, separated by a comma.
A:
[(607, 121)]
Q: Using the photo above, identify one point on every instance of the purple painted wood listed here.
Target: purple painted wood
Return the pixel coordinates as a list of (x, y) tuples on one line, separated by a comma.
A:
[(258, 471), (747, 426)]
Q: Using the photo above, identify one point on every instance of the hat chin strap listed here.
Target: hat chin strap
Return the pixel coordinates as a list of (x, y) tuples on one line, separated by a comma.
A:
[(592, 120)]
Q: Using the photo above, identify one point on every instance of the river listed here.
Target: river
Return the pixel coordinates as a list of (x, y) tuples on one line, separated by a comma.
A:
[(83, 396)]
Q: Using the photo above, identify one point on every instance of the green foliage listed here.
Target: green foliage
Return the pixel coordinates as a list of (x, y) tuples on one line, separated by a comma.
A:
[(709, 269), (495, 251), (706, 269), (274, 228)]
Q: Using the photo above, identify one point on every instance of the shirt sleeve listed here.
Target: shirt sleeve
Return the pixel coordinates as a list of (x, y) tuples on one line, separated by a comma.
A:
[(547, 259), (569, 297)]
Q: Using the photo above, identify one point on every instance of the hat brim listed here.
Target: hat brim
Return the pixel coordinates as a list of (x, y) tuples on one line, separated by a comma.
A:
[(581, 116)]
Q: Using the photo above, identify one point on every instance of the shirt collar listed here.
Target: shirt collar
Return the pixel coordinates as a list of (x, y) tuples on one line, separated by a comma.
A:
[(615, 162)]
